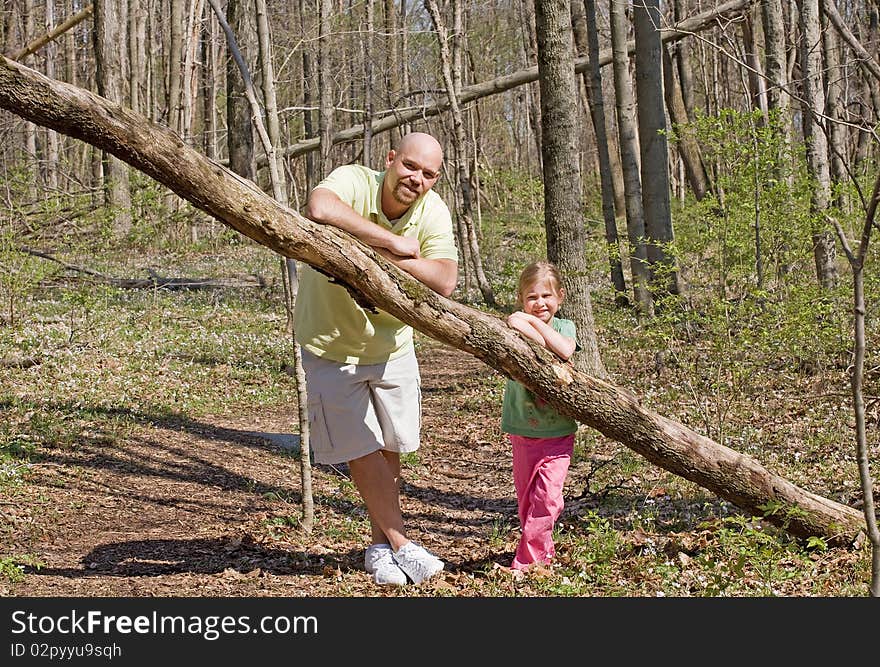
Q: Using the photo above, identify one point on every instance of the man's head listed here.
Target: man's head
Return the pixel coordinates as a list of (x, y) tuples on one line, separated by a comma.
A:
[(410, 171)]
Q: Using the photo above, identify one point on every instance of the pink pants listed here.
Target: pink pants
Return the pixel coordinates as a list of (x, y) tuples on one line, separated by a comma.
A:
[(539, 469)]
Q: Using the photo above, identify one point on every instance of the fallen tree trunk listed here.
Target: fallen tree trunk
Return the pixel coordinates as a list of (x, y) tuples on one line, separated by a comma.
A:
[(238, 203)]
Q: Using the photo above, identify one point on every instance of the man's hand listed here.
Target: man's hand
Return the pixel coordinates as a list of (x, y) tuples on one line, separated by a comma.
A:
[(401, 246)]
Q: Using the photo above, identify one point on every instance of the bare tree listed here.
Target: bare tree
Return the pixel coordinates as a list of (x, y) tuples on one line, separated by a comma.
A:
[(506, 82), (325, 86), (583, 20), (530, 43), (270, 139), (563, 201), (688, 147), (136, 52), (629, 151), (857, 260), (683, 62), (239, 128), (654, 152), (50, 138), (451, 66), (833, 78), (824, 253), (111, 66), (393, 37)]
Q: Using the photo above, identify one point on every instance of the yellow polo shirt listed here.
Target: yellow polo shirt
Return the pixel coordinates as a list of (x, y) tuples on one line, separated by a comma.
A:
[(327, 322)]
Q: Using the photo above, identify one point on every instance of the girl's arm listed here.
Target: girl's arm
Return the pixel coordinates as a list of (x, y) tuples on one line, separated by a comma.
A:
[(543, 334)]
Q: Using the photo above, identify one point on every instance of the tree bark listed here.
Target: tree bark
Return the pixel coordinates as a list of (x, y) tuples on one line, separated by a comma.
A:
[(392, 62), (754, 74), (683, 63), (563, 199), (50, 138), (824, 253), (583, 22), (240, 131), (530, 45), (110, 65), (835, 74), (614, 411), (688, 147), (629, 151), (654, 151), (175, 60)]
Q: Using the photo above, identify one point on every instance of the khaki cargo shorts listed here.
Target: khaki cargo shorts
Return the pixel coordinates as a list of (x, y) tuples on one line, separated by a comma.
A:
[(355, 410)]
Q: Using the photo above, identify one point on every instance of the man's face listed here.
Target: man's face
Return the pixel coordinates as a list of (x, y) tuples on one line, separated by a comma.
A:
[(411, 171)]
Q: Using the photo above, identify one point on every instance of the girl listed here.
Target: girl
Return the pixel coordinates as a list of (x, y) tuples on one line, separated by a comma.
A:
[(542, 438)]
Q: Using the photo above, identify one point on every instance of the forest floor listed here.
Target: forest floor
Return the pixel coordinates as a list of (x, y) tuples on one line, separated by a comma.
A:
[(203, 508), (210, 507), (148, 449)]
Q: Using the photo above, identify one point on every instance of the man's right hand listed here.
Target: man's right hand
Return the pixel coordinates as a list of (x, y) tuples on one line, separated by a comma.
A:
[(403, 246)]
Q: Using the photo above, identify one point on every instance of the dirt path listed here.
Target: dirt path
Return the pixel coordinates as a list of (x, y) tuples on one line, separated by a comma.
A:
[(182, 507)]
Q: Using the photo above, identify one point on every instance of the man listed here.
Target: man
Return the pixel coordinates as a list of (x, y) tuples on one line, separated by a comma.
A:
[(362, 377)]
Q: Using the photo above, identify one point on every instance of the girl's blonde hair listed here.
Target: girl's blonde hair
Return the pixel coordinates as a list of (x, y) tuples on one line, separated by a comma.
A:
[(534, 272)]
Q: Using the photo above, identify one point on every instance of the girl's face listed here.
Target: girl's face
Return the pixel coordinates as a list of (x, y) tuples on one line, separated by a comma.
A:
[(542, 299)]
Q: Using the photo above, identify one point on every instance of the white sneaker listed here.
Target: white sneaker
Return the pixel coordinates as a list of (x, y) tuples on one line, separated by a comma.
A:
[(379, 561), (417, 562)]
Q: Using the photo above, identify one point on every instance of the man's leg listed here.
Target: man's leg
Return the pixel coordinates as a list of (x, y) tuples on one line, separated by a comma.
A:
[(377, 477)]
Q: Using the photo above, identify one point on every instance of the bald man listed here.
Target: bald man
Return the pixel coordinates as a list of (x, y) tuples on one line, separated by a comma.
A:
[(362, 377)]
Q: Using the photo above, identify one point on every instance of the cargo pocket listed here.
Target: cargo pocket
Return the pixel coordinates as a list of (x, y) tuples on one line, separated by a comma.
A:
[(319, 436)]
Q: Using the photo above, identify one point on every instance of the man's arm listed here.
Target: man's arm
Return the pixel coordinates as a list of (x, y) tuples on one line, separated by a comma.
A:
[(441, 275), (326, 207)]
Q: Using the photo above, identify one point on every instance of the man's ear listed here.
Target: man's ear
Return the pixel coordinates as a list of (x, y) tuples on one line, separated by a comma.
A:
[(390, 157)]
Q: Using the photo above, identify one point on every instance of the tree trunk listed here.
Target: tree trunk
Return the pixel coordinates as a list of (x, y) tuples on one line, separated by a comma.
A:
[(239, 129), (325, 88), (629, 161), (190, 70), (175, 59), (288, 265), (688, 147), (824, 253), (209, 88), (682, 61), (834, 77), (613, 411), (654, 151), (110, 72), (136, 53), (367, 52), (754, 74), (50, 138), (583, 22), (404, 68), (30, 131), (392, 63), (563, 201)]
